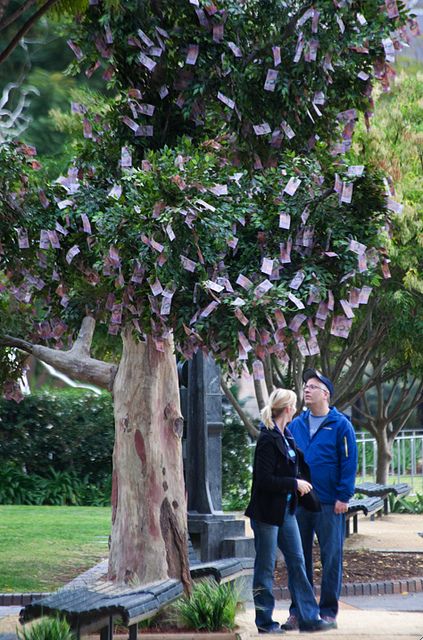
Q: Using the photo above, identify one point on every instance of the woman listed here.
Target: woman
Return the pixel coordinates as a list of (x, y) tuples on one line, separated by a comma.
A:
[(277, 481)]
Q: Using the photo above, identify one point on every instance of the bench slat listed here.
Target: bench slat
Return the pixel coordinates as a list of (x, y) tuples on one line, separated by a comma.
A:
[(375, 489)]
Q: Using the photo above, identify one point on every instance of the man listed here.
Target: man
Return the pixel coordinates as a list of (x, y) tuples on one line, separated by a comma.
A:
[(327, 439)]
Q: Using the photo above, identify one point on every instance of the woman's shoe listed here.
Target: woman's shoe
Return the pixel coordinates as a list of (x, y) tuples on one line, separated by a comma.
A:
[(275, 629)]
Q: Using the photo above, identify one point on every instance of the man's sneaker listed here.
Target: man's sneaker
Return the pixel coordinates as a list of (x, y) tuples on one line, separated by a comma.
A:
[(317, 625), (291, 624), (331, 620)]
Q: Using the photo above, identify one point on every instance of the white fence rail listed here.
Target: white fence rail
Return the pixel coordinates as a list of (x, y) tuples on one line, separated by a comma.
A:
[(407, 458)]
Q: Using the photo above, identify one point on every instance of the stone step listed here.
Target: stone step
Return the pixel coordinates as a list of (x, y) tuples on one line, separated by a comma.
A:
[(238, 547)]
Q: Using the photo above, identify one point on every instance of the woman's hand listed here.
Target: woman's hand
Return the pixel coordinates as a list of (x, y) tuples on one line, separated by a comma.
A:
[(303, 487)]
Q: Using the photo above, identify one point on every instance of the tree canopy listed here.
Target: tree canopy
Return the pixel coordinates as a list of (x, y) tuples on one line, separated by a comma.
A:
[(210, 196)]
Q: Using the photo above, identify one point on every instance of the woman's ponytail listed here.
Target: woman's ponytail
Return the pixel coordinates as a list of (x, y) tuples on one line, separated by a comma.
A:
[(278, 400)]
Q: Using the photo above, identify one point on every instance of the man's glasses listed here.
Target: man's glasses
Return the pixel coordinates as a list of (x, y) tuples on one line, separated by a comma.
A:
[(313, 387)]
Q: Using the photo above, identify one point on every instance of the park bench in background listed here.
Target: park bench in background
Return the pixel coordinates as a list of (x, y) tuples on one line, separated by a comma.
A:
[(373, 490), (369, 506), (96, 607)]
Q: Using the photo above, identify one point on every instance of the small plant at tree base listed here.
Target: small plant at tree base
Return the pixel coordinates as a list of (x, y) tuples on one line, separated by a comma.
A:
[(211, 607), (47, 629)]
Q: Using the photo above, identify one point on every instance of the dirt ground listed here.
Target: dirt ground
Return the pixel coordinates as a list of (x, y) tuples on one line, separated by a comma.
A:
[(394, 532), (387, 548), (366, 566)]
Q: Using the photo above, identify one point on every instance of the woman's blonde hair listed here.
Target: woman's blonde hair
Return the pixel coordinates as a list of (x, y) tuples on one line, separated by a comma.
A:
[(278, 400)]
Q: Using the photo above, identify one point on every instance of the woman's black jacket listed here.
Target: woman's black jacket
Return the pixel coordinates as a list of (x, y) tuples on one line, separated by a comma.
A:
[(274, 477)]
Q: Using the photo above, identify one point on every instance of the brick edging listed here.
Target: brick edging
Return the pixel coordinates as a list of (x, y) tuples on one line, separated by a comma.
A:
[(387, 587)]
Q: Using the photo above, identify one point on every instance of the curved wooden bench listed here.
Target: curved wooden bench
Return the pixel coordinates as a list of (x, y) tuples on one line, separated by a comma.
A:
[(369, 506), (373, 489), (95, 607)]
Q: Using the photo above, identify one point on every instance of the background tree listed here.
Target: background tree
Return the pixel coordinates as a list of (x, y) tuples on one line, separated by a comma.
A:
[(395, 141), (18, 18), (204, 210), (379, 370)]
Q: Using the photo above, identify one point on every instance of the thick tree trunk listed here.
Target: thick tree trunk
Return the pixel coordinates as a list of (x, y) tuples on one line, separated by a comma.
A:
[(149, 515), (384, 457)]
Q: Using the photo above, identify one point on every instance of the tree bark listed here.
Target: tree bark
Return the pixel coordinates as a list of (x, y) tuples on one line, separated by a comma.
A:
[(384, 455), (76, 363), (149, 514), (246, 420)]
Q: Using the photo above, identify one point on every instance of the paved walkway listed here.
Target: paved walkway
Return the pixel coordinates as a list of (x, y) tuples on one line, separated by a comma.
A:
[(387, 617), (361, 618)]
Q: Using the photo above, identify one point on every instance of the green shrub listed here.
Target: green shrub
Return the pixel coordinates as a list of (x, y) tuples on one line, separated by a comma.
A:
[(211, 607), (69, 430), (236, 463), (55, 488), (47, 629), (413, 504)]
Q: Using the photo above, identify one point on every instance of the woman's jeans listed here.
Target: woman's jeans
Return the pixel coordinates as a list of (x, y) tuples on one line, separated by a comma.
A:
[(329, 528), (287, 537)]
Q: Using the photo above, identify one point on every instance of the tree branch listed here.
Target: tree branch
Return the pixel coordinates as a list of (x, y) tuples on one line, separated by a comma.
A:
[(17, 14), (390, 398), (25, 28), (267, 366), (278, 376), (400, 410), (365, 414), (248, 424), (259, 394), (3, 6), (286, 33), (76, 362)]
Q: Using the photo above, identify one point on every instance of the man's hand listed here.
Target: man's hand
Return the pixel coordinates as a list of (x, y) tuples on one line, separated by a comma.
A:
[(303, 487), (340, 507)]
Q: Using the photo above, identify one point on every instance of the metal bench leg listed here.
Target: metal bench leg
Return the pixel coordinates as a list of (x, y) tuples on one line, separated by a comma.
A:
[(355, 523), (133, 631), (386, 506), (347, 528)]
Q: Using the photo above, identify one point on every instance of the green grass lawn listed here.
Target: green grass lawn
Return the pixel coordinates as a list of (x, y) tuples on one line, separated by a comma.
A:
[(41, 548)]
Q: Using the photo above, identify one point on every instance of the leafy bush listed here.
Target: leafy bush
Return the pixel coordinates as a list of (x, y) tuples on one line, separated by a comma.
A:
[(68, 431), (55, 488), (406, 505), (236, 463), (47, 629), (211, 607)]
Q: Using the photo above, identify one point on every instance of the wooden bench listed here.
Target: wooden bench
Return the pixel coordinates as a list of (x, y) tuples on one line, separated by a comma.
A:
[(96, 607), (369, 506), (383, 491)]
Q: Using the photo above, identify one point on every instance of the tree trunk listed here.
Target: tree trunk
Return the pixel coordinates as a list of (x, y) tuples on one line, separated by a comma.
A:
[(149, 514), (384, 456)]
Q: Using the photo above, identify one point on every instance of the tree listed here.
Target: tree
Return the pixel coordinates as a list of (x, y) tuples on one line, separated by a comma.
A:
[(382, 357), (200, 213), (396, 142), (18, 17)]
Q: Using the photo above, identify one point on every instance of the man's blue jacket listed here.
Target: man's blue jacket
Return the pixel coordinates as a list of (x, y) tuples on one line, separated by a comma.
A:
[(331, 454)]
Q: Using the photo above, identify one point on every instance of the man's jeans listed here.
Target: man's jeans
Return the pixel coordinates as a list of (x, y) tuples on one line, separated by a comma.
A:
[(287, 537), (330, 530)]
